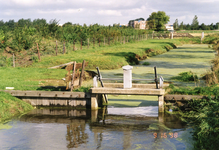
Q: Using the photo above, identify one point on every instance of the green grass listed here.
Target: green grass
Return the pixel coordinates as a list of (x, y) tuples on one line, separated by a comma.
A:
[(28, 78), (110, 57), (11, 106)]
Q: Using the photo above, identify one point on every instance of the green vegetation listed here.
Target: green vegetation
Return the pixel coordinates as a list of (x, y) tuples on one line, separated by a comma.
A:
[(11, 106), (186, 76), (157, 21), (146, 63), (204, 120), (208, 90), (114, 56)]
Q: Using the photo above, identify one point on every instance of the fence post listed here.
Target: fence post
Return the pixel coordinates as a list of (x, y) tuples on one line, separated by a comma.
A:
[(104, 40), (81, 44), (13, 61), (74, 45), (93, 42), (88, 43), (64, 47), (82, 73), (56, 48), (38, 52), (73, 75)]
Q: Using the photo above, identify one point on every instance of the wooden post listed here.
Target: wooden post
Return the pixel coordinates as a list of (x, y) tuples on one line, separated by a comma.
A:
[(93, 42), (64, 47), (56, 48), (13, 61), (38, 52), (88, 43), (73, 75), (124, 40), (74, 45), (82, 73), (104, 40), (99, 42), (81, 44), (109, 40)]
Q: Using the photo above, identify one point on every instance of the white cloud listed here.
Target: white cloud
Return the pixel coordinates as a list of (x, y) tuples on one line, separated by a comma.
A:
[(109, 12)]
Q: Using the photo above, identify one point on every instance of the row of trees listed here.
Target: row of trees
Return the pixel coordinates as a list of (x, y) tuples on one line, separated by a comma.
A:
[(194, 25), (24, 33)]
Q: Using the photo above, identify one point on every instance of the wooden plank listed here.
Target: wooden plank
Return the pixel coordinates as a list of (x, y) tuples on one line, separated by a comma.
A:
[(131, 91), (120, 85), (53, 94)]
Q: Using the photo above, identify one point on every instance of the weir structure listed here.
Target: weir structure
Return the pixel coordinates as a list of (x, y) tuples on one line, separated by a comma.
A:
[(97, 95), (126, 88)]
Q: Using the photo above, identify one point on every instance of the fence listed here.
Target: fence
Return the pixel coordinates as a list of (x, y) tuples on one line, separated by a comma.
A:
[(57, 47)]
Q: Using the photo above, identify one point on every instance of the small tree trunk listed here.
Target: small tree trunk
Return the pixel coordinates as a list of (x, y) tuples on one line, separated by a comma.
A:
[(99, 42), (104, 40), (88, 43)]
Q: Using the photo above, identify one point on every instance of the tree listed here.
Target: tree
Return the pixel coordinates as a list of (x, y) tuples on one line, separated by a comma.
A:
[(158, 20), (194, 25), (181, 26), (176, 25), (202, 26)]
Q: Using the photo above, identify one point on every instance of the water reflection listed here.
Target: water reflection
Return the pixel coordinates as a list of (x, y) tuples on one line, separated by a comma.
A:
[(106, 128)]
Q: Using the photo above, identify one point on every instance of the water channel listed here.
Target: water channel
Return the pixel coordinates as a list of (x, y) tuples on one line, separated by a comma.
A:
[(109, 128), (126, 123)]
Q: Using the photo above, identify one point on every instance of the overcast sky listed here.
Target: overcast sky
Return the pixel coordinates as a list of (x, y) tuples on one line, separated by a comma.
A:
[(105, 12)]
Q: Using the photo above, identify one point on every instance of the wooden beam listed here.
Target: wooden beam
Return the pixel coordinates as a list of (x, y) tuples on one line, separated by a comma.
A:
[(131, 91), (53, 94)]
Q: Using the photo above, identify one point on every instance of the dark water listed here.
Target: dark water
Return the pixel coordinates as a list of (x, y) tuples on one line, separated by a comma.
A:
[(110, 128)]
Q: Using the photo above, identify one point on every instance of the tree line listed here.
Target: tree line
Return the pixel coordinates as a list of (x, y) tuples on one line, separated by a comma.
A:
[(194, 25), (21, 35)]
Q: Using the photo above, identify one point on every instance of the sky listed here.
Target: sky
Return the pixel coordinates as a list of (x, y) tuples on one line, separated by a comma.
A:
[(108, 12)]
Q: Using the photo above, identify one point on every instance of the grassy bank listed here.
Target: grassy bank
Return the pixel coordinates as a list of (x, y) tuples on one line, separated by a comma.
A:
[(11, 106), (115, 56)]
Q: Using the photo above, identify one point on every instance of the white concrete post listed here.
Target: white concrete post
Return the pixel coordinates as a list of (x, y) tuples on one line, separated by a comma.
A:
[(95, 84), (161, 82), (127, 76)]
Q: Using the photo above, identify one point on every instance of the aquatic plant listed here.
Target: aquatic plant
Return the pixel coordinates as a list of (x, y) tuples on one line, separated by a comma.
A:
[(186, 76)]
